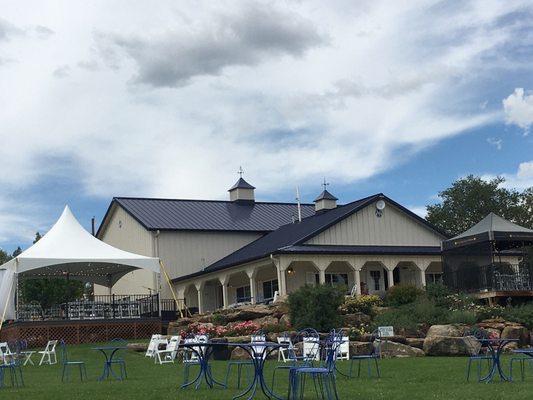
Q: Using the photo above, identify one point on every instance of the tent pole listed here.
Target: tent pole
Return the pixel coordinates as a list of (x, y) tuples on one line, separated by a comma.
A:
[(167, 278)]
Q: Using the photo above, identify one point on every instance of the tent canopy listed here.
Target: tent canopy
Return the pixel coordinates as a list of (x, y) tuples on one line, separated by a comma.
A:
[(490, 228), (69, 250)]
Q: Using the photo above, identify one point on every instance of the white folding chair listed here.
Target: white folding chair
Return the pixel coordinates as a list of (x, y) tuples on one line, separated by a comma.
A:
[(170, 351), (343, 350), (284, 353), (5, 353), (49, 353), (155, 341), (190, 354), (259, 350), (311, 348)]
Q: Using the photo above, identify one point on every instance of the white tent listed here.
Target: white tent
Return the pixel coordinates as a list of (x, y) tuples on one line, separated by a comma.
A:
[(68, 250)]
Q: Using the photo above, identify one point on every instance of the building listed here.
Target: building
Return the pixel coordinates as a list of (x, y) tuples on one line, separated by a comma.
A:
[(219, 253)]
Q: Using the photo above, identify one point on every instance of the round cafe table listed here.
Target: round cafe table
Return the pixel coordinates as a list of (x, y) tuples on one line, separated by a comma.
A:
[(258, 352), (495, 348), (108, 353)]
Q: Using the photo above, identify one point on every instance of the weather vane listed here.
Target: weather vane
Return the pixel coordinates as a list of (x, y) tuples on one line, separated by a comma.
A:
[(240, 172), (325, 184)]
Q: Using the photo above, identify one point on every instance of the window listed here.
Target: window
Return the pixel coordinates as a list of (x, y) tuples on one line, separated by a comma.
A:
[(243, 294), (376, 276), (269, 287), (337, 279), (433, 277)]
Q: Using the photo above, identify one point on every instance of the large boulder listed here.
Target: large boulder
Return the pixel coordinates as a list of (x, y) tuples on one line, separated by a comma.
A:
[(451, 346), (266, 320), (446, 330), (247, 313), (394, 349), (492, 323), (138, 347), (360, 348), (516, 332), (415, 342), (355, 320)]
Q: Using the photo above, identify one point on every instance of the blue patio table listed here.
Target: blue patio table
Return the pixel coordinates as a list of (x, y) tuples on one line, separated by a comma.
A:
[(496, 347), (527, 352), (109, 352), (258, 352)]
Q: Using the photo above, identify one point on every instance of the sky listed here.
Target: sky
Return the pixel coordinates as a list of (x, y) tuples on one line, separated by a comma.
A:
[(168, 99)]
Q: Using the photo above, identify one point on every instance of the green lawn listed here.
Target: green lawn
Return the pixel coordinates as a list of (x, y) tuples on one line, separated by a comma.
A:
[(420, 378)]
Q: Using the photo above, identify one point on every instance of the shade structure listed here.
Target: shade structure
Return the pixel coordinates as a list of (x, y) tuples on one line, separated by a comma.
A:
[(68, 250)]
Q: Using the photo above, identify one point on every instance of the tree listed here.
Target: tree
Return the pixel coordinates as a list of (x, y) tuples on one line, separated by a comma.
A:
[(471, 199), (4, 257), (49, 291)]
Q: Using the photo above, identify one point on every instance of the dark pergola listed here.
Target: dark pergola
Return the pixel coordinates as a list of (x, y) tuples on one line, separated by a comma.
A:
[(479, 260)]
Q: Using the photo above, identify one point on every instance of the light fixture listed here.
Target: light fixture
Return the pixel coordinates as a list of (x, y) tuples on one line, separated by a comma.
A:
[(290, 271), (380, 206)]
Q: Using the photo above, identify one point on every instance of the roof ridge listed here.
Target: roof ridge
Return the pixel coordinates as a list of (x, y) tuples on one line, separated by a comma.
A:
[(206, 200)]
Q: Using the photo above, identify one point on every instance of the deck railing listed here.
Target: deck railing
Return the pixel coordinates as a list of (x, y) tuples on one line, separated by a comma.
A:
[(97, 307)]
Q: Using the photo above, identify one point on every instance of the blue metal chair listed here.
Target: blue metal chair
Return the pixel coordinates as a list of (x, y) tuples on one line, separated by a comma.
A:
[(70, 363), (258, 337), (521, 360), (324, 378), (307, 335), (11, 364), (372, 358), (481, 356)]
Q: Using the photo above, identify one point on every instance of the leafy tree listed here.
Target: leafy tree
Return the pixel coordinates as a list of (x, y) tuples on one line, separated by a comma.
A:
[(470, 199), (49, 291), (4, 257), (316, 307)]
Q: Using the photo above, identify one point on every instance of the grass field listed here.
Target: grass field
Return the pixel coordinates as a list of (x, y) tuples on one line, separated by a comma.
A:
[(420, 378)]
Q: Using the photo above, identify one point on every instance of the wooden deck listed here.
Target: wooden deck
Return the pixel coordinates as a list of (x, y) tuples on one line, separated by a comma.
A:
[(502, 294), (38, 333)]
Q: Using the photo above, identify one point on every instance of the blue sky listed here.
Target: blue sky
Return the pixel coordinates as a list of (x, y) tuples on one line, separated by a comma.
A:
[(122, 99)]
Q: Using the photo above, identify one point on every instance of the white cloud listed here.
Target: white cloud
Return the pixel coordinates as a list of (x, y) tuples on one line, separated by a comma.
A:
[(496, 142), (337, 89), (421, 211), (521, 179), (518, 109)]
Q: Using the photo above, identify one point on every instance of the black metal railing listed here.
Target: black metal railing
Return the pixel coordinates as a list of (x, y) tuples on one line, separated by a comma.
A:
[(103, 307)]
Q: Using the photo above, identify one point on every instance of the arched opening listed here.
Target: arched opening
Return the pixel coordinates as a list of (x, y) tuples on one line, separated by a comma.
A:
[(191, 298), (239, 290), (407, 273), (374, 278), (340, 273), (301, 273), (266, 280)]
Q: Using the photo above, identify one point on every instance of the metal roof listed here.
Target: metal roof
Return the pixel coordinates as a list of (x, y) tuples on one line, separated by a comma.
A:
[(209, 215), (241, 184), (325, 195), (493, 223)]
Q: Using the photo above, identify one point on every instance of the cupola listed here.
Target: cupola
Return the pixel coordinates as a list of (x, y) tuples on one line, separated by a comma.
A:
[(325, 200), (242, 191)]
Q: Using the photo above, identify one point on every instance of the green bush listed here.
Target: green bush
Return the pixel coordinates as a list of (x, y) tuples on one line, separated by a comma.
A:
[(363, 304), (316, 307), (439, 293), (522, 314), (403, 294), (462, 317)]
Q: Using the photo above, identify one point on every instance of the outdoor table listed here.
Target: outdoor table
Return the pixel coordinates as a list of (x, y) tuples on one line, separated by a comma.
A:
[(526, 352), (109, 352), (496, 347), (258, 352)]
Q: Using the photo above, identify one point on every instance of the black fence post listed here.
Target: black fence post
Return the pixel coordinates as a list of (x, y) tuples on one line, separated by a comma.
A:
[(113, 305)]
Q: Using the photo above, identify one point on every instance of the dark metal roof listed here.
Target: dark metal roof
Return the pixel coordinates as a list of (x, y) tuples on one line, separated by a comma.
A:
[(358, 249), (296, 234), (490, 228), (325, 195), (209, 215), (241, 184)]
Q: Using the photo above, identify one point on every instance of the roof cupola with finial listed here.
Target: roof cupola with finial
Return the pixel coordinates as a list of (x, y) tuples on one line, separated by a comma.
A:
[(242, 191), (325, 200)]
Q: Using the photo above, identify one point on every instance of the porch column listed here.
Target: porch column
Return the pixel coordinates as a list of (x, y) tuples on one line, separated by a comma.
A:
[(281, 267), (251, 276), (322, 276), (224, 282), (200, 291), (390, 276), (423, 266), (357, 281)]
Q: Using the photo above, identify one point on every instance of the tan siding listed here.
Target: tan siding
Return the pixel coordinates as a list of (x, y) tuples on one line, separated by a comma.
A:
[(187, 252), (125, 233), (394, 228)]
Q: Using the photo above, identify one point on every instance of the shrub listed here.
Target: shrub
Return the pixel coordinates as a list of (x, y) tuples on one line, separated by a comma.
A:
[(439, 293), (522, 314), (403, 294), (363, 304), (316, 307), (462, 317)]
